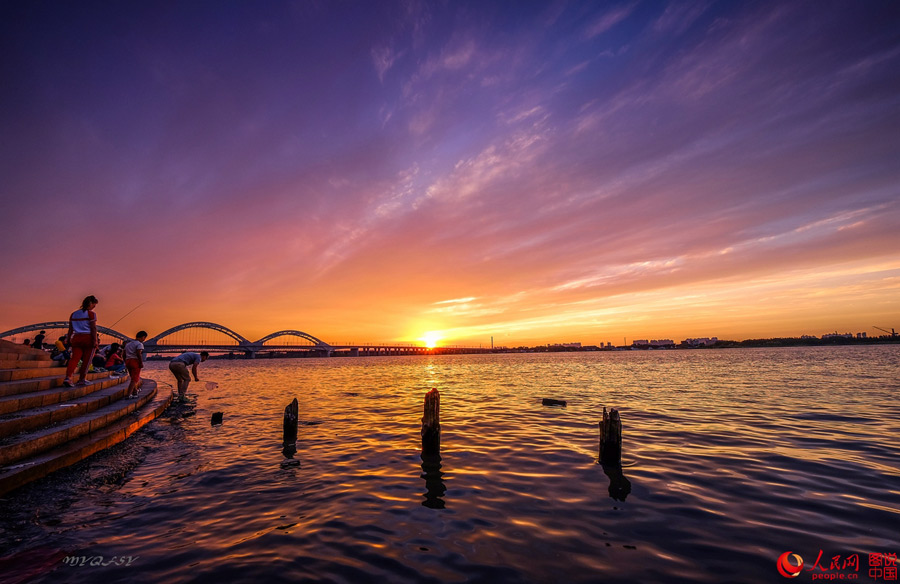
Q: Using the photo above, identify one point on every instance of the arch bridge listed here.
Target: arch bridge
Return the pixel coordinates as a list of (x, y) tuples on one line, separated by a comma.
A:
[(158, 344), (59, 325)]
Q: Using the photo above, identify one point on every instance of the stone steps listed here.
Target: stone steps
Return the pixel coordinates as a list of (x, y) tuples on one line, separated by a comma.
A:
[(45, 426), (17, 474), (31, 443), (8, 347), (16, 374), (26, 363), (40, 408), (18, 386), (60, 393), (16, 356)]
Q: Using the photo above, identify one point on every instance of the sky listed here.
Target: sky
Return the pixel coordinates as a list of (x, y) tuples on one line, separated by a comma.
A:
[(531, 172)]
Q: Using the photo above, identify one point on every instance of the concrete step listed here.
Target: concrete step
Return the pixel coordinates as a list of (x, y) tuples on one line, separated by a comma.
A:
[(32, 443), (144, 410), (20, 386), (27, 363), (17, 356), (19, 402), (42, 408), (17, 374), (10, 347)]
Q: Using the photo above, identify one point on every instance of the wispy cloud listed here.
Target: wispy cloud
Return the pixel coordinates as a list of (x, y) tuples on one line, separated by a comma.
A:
[(679, 16), (498, 162), (383, 58), (606, 21), (456, 301)]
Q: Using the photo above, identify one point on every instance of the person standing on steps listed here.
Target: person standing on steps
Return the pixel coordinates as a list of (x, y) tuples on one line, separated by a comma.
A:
[(178, 366), (134, 362), (83, 339)]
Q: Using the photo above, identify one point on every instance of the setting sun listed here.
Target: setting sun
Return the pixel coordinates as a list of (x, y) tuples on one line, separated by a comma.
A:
[(431, 339)]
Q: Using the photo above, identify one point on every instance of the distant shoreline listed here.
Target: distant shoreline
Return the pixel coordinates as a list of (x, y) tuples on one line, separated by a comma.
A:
[(746, 344), (795, 342)]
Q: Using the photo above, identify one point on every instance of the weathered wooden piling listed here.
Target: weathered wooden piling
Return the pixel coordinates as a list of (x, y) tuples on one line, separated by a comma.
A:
[(611, 438), (431, 423), (291, 415), (289, 444), (216, 418)]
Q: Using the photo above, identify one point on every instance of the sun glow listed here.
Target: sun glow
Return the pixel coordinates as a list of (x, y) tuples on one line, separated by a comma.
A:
[(431, 339)]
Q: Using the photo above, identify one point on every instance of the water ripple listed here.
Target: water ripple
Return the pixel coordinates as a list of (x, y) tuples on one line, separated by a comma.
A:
[(732, 457)]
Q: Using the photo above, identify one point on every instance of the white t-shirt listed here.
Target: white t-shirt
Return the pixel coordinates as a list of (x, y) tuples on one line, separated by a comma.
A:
[(81, 321), (133, 349)]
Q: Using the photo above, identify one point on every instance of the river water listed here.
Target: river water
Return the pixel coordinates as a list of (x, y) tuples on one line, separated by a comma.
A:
[(731, 458)]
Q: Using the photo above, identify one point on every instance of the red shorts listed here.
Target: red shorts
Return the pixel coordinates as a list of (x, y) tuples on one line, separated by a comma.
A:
[(83, 340), (134, 368)]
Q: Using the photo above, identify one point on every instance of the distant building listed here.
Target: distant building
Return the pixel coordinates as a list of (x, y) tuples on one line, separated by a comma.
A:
[(700, 342), (654, 344), (565, 346), (836, 335)]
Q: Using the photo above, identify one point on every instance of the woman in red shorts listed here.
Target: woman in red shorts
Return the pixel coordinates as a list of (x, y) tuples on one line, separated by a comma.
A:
[(83, 339)]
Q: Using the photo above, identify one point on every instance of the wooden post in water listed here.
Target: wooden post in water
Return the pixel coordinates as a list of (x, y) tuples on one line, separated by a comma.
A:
[(291, 415), (431, 423), (611, 438)]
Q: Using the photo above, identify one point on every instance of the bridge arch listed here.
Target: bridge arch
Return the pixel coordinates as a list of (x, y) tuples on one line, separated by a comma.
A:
[(292, 333), (207, 325), (154, 341), (61, 324)]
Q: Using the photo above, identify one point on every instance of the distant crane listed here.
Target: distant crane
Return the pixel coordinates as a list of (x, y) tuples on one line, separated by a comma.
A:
[(891, 332)]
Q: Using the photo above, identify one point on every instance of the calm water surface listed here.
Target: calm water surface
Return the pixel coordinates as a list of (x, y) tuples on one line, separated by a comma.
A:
[(733, 457)]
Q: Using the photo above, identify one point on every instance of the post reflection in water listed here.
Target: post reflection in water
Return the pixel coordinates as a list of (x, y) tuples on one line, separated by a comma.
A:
[(619, 485), (434, 482), (289, 450)]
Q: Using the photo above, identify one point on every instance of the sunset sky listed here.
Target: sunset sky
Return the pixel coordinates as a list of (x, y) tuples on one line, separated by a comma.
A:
[(538, 172)]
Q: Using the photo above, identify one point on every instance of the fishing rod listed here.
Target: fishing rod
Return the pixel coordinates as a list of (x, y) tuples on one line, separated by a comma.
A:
[(129, 312)]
